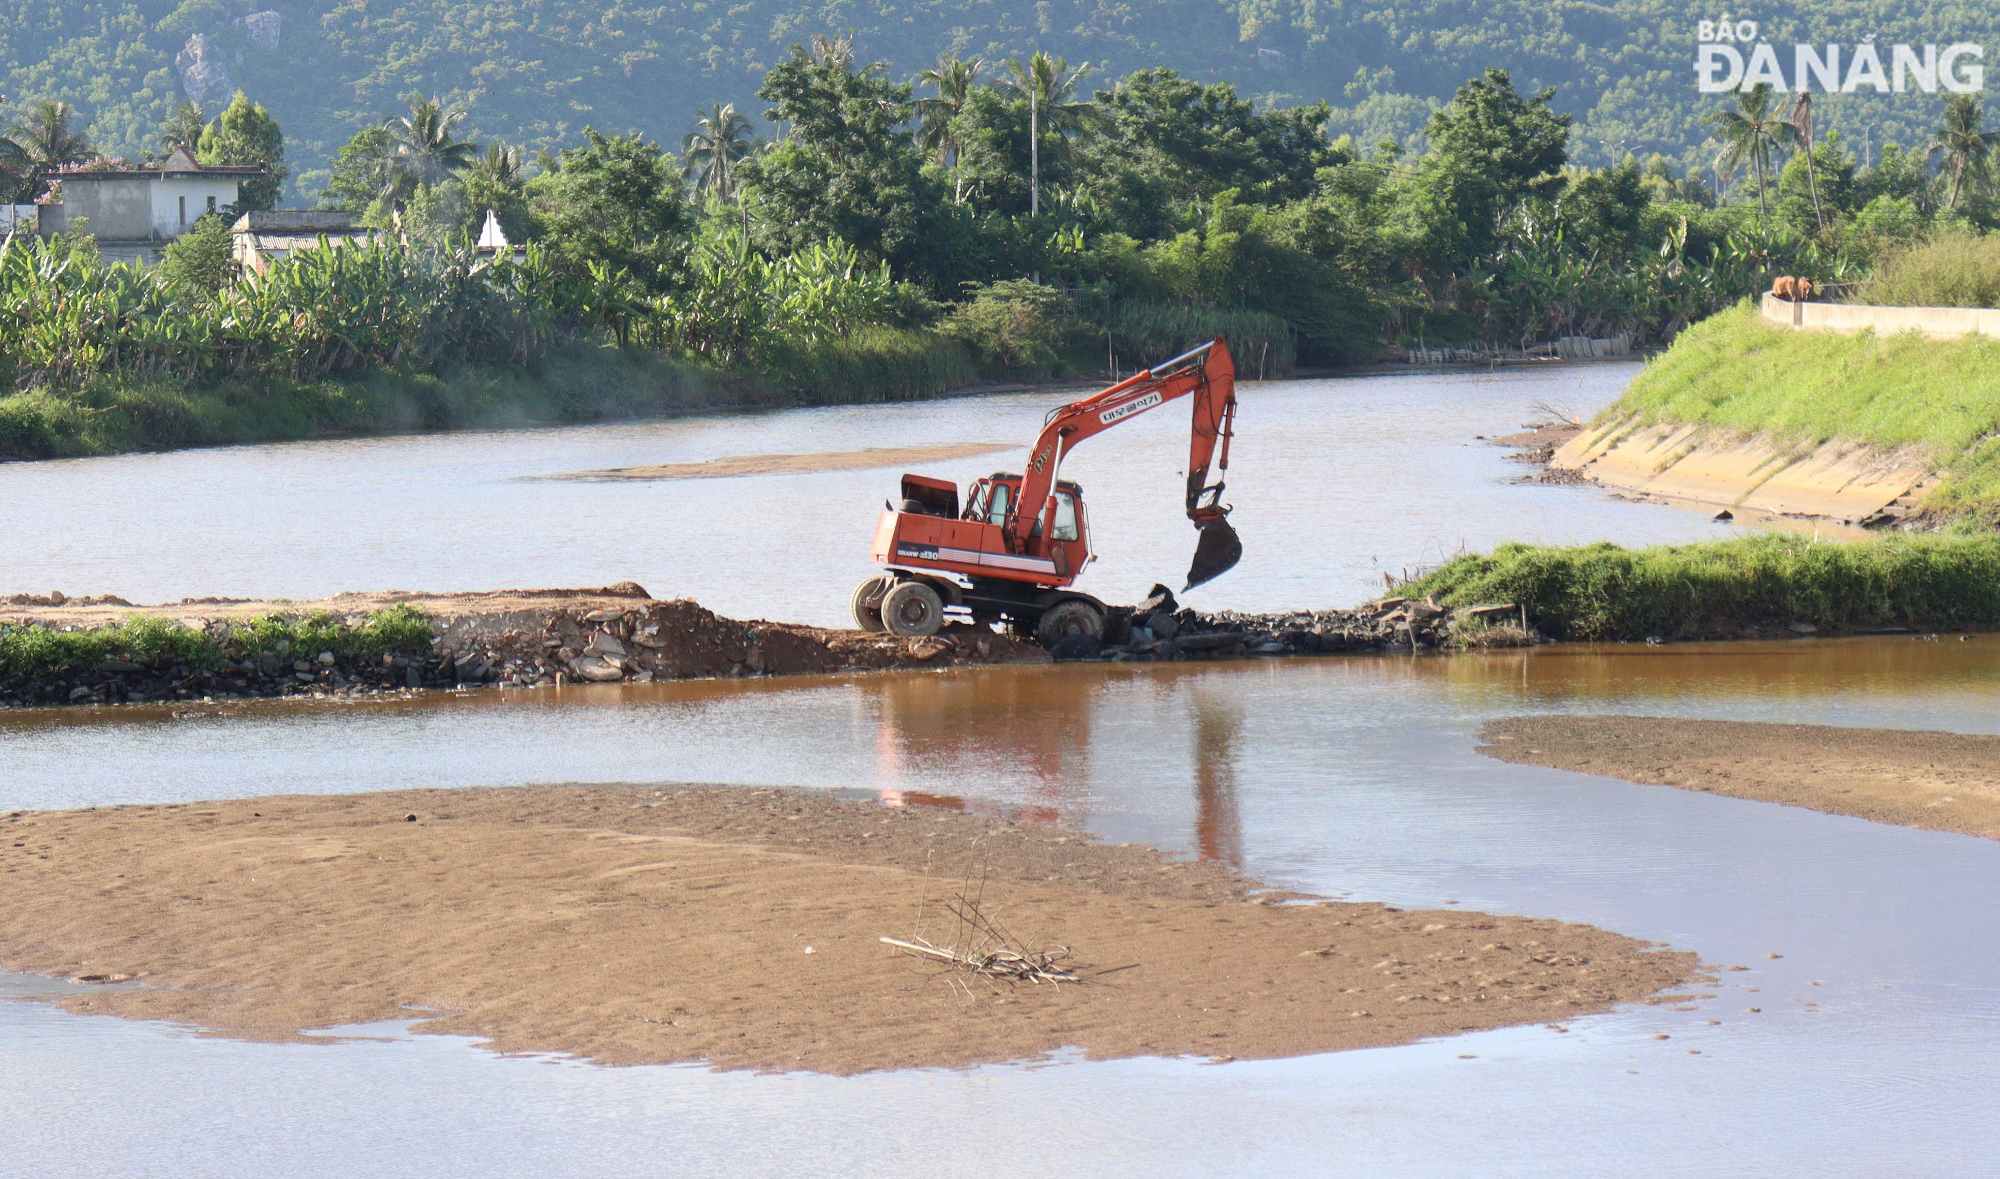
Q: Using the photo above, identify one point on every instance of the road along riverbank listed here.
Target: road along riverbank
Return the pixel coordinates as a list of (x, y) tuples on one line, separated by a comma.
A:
[(55, 650), (743, 928), (1937, 781)]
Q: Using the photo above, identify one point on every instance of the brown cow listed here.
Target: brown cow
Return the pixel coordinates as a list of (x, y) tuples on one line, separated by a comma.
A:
[(1793, 289)]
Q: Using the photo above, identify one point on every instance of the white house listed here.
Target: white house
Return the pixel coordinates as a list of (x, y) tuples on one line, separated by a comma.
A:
[(129, 205)]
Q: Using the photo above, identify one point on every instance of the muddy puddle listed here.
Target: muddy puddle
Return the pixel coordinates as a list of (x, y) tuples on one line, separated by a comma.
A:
[(1869, 949), (1335, 483)]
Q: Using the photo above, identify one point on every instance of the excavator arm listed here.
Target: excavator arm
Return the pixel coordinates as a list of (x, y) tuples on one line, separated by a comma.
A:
[(1207, 375)]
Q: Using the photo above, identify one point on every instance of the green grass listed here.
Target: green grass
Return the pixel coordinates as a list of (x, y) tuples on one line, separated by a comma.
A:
[(1950, 270), (1737, 371), (127, 412), (35, 650), (1603, 592)]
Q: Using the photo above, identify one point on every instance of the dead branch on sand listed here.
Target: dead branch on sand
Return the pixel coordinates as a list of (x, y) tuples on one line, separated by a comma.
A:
[(982, 947)]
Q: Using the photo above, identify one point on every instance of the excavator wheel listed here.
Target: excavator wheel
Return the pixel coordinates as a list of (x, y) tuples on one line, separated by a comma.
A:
[(1069, 619), (913, 610), (867, 603)]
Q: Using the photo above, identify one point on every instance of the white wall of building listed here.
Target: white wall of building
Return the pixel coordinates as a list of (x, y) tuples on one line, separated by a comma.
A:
[(179, 200)]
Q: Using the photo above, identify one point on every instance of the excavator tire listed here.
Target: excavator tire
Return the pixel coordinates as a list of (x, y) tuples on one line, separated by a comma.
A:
[(1069, 619), (913, 610), (867, 603)]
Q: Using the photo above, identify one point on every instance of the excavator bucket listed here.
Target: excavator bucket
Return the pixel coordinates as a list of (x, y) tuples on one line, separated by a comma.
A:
[(1215, 554)]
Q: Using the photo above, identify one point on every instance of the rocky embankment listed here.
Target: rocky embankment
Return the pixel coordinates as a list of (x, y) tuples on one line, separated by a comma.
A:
[(1157, 630), (61, 651)]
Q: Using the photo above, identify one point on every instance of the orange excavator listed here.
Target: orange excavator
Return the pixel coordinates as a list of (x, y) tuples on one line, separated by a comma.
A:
[(1020, 541)]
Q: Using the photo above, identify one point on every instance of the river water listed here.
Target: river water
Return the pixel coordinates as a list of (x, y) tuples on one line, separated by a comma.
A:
[(1351, 776), (1335, 483)]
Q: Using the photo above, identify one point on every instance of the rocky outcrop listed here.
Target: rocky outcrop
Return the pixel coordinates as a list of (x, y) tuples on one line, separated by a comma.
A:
[(262, 29), (204, 74)]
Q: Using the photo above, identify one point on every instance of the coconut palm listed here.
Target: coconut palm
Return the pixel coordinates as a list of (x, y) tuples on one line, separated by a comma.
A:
[(183, 128), (1752, 132), (1965, 152), (425, 148), (720, 140), (41, 139), (1049, 85), (953, 77), (500, 166)]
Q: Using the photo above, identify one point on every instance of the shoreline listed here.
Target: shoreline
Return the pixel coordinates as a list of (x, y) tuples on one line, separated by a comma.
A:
[(214, 650), (741, 928), (1937, 781)]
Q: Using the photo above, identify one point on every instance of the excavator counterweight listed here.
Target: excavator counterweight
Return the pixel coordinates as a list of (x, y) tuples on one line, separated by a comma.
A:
[(1022, 540)]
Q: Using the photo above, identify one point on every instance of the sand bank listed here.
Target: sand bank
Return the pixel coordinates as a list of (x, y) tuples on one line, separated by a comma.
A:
[(741, 927), (790, 464), (1939, 781)]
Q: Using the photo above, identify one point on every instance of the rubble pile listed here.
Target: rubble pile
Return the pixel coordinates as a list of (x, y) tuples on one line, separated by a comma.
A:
[(1160, 630)]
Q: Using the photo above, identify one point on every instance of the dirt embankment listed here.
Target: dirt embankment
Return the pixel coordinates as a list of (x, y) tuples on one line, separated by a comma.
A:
[(742, 928), (514, 638), (539, 638), (1938, 781)]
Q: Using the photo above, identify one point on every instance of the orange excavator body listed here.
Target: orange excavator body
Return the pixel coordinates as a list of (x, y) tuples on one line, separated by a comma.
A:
[(1020, 540)]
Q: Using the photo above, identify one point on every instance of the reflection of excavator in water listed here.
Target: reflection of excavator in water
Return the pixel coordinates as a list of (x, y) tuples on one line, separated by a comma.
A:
[(1022, 540)]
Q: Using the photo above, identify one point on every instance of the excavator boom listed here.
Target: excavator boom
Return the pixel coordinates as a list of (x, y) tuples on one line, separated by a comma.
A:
[(1208, 375)]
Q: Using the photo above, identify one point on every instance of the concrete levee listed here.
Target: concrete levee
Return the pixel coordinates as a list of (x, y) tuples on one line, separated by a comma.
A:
[(1941, 323)]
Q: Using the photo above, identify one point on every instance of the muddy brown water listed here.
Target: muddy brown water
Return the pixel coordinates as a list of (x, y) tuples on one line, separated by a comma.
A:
[(1870, 951)]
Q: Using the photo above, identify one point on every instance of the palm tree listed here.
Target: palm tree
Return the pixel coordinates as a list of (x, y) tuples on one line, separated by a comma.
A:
[(183, 128), (1049, 86), (1802, 122), (720, 140), (953, 77), (426, 150), (41, 139), (1966, 150), (500, 166), (1752, 131), (837, 52)]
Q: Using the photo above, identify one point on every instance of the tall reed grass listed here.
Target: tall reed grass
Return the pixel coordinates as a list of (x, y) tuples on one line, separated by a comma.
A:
[(1953, 269), (1144, 334)]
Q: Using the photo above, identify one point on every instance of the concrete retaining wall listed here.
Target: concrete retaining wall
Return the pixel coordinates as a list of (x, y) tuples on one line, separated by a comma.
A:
[(1942, 323)]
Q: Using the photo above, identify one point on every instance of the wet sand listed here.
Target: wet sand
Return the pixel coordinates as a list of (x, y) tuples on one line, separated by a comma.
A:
[(790, 464), (1938, 781), (742, 928)]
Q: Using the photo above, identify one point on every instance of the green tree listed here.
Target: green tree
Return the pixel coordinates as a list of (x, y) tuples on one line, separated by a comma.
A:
[(618, 201), (720, 141), (1049, 87), (953, 77), (1965, 153), (1752, 131), (361, 172), (424, 144), (202, 259), (847, 168), (43, 138), (246, 134), (1162, 143), (497, 180), (183, 128)]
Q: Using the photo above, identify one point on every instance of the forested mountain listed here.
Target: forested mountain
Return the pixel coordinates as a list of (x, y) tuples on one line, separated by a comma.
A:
[(537, 71)]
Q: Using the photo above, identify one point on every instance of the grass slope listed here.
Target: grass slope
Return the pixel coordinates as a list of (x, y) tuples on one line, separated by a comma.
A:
[(1737, 371)]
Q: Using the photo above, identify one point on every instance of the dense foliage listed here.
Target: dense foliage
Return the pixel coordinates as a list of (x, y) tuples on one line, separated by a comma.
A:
[(534, 71), (1604, 592)]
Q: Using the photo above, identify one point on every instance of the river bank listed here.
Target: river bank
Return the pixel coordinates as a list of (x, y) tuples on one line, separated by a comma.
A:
[(1745, 416), (55, 650), (742, 929), (1936, 781)]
